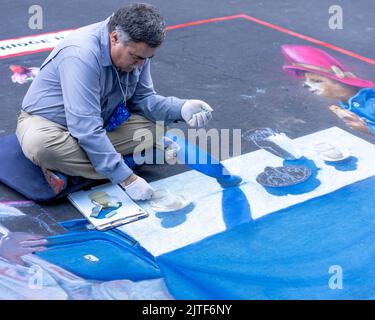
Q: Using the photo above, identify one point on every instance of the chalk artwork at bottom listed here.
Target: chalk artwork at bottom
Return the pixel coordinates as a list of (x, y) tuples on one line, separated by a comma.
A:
[(27, 276)]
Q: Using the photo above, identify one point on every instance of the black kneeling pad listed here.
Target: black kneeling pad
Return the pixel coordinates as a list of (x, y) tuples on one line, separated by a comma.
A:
[(20, 174)]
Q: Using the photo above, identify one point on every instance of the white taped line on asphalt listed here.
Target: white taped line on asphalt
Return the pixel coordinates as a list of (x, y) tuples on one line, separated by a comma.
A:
[(31, 44)]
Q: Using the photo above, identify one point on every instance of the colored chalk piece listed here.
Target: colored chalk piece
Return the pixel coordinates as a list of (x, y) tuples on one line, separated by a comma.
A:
[(96, 210)]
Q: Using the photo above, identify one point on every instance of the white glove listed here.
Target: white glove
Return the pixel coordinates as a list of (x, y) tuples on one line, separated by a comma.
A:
[(196, 113), (139, 189)]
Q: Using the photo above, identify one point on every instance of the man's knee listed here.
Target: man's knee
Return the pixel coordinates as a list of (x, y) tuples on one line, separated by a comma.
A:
[(145, 134), (149, 134), (40, 148), (137, 132), (34, 149)]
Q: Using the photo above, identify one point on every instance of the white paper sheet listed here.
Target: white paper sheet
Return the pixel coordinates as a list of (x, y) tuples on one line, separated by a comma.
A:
[(127, 212)]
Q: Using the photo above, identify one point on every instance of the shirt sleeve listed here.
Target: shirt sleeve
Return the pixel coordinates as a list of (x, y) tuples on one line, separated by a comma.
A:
[(80, 83), (153, 106)]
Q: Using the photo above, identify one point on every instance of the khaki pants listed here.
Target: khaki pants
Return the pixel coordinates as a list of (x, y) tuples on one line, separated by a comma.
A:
[(50, 145)]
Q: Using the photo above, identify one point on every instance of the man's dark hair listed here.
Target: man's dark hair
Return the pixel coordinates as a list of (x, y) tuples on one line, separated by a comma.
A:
[(140, 22)]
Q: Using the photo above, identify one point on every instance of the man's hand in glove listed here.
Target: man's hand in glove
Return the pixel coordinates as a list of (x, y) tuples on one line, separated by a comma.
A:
[(196, 113), (137, 188)]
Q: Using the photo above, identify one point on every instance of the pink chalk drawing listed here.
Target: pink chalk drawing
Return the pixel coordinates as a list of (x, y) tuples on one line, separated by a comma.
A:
[(22, 74)]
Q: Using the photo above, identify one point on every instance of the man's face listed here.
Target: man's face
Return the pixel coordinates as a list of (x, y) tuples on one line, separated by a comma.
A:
[(128, 57)]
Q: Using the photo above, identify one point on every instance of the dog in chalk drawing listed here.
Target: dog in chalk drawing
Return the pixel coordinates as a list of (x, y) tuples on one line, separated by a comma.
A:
[(323, 75)]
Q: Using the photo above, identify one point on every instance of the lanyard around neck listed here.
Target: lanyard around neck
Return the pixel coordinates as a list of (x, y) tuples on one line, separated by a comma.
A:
[(125, 95)]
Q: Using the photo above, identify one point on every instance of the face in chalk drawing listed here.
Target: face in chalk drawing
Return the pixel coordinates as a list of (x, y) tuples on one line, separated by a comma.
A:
[(327, 87), (332, 89)]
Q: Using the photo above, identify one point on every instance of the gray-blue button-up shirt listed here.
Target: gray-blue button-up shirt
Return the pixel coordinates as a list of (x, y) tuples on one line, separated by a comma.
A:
[(78, 88)]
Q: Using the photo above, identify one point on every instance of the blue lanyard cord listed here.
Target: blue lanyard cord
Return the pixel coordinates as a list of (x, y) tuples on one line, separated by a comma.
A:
[(121, 113)]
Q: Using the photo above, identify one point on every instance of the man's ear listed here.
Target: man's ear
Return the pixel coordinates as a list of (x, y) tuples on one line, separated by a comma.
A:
[(114, 37)]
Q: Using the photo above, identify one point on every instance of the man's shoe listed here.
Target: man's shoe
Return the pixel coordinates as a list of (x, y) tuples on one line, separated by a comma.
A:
[(56, 180)]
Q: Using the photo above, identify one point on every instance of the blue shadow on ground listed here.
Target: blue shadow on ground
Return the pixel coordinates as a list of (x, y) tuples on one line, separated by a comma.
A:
[(236, 207), (348, 164), (175, 218)]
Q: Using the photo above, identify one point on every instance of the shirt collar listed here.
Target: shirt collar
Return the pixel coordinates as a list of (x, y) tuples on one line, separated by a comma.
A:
[(104, 44)]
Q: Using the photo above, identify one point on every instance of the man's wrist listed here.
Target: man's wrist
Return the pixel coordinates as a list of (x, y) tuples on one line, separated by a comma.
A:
[(129, 180)]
